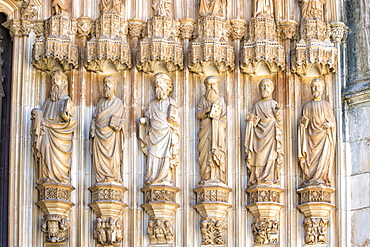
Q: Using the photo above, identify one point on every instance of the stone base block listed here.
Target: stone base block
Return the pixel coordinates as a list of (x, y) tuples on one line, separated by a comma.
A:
[(160, 201), (112, 245), (107, 199), (56, 245), (55, 198), (213, 245)]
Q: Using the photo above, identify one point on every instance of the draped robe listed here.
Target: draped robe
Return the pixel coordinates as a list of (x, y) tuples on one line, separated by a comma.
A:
[(53, 145), (108, 144), (212, 143), (160, 142), (263, 144), (316, 144)]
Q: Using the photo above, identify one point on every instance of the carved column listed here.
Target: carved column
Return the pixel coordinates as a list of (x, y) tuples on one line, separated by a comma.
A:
[(212, 205), (55, 203), (107, 203), (315, 204), (265, 206)]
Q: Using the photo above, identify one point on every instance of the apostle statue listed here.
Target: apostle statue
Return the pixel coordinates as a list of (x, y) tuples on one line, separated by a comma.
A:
[(212, 134), (263, 138), (52, 132), (111, 6), (159, 134), (106, 134), (312, 9), (263, 8), (316, 136), (162, 7), (211, 7)]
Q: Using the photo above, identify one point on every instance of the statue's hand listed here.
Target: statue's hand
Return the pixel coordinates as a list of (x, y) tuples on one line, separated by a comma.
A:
[(92, 132), (250, 117), (142, 121), (326, 125)]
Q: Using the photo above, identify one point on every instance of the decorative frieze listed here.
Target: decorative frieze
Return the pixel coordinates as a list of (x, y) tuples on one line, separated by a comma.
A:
[(262, 47), (316, 231)]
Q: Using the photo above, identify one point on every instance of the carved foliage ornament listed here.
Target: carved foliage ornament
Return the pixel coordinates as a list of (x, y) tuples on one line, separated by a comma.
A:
[(212, 231), (316, 230)]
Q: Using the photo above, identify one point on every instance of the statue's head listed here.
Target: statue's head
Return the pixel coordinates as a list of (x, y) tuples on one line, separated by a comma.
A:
[(59, 82), (317, 88), (266, 87), (150, 223), (212, 92), (110, 86), (162, 85)]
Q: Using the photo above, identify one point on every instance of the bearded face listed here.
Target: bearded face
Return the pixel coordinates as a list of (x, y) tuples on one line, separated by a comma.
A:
[(160, 93), (212, 95), (108, 92), (162, 89), (317, 90), (56, 92)]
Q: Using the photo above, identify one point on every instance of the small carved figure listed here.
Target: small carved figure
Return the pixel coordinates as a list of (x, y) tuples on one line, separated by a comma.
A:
[(263, 8), (312, 9), (212, 134), (205, 233), (150, 232), (321, 238), (59, 7), (211, 7), (159, 232), (168, 231), (317, 136), (162, 7), (310, 235), (212, 231), (111, 6), (111, 230), (263, 138), (220, 227), (106, 134), (52, 133), (119, 231), (159, 134), (99, 231)]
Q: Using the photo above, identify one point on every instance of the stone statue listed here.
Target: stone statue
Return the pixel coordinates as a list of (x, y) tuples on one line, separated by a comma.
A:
[(59, 7), (211, 7), (52, 133), (312, 9), (99, 231), (111, 6), (168, 231), (162, 7), (263, 138), (212, 134), (263, 7), (317, 136), (159, 134), (106, 135)]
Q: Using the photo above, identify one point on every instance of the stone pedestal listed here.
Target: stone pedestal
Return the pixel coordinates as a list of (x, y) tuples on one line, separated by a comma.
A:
[(265, 207), (315, 204), (212, 204), (160, 204), (55, 203), (107, 203)]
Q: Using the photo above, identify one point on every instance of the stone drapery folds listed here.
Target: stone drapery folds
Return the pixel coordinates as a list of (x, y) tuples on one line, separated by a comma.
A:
[(106, 135), (159, 134), (52, 133)]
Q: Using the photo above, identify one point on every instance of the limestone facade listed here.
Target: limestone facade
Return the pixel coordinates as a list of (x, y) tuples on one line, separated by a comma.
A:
[(169, 190)]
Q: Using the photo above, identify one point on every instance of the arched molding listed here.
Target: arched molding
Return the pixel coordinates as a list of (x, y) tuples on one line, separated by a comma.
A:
[(10, 8)]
